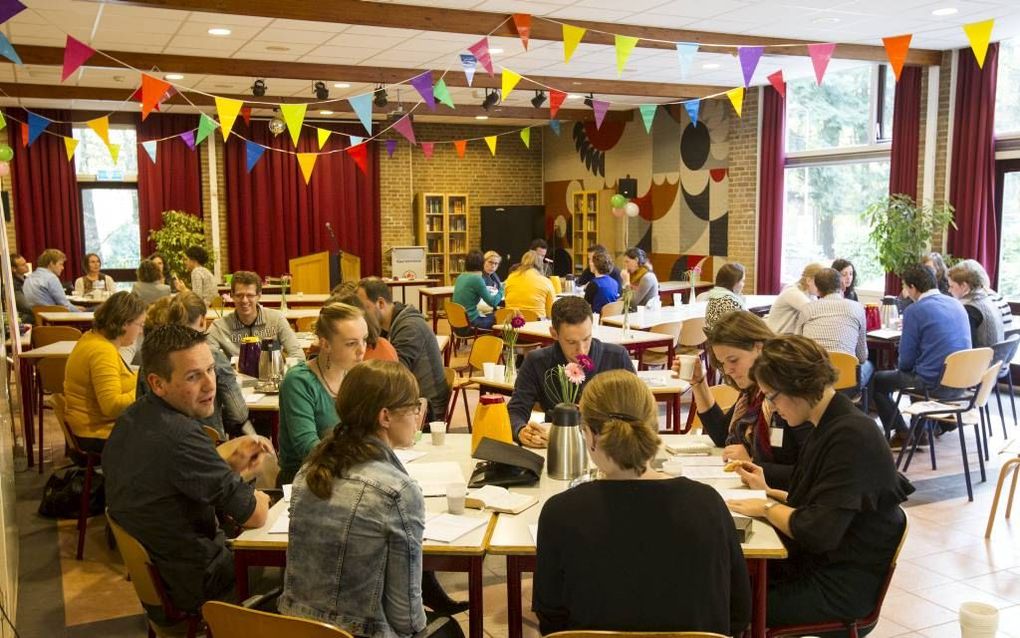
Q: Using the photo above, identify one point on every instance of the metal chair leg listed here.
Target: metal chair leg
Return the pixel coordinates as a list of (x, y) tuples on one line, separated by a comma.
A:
[(83, 512), (966, 464)]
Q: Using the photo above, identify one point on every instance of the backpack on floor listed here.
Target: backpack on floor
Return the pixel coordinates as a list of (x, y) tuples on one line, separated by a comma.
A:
[(62, 494)]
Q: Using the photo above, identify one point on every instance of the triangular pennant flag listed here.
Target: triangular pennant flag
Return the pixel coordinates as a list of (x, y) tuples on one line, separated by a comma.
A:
[(736, 98), (599, 107), (491, 140), (405, 128), (354, 140), (391, 145), (749, 57), (9, 9), (206, 125), (442, 93), (24, 136), (685, 52), (323, 135), (820, 56), (359, 154), (555, 126), (3, 122), (75, 54), (189, 139), (979, 34), (151, 149), (778, 83), (114, 152), (522, 22), (423, 85), (647, 115), (227, 111), (362, 105), (469, 62), (69, 145), (154, 91), (460, 146), (480, 50), (294, 116), (510, 80), (253, 152), (246, 114), (307, 163), (555, 101), (526, 137), (7, 50), (101, 125), (571, 38), (427, 148), (693, 107), (36, 125), (624, 46), (896, 48)]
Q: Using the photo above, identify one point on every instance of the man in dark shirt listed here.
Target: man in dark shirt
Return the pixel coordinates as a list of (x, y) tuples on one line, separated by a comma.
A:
[(19, 268), (165, 483), (572, 328), (588, 275)]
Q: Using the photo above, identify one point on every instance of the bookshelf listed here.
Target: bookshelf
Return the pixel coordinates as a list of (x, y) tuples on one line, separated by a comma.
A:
[(585, 224), (442, 228)]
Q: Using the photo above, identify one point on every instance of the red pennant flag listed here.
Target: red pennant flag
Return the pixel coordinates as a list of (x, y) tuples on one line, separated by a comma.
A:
[(820, 56), (154, 91), (461, 146), (896, 50), (778, 83), (75, 54), (359, 154), (246, 114), (24, 134), (522, 21), (427, 148), (555, 100)]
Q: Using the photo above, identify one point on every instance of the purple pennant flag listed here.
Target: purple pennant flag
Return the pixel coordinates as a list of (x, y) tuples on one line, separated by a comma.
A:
[(254, 153), (423, 84), (600, 107), (405, 128), (391, 145), (9, 9), (469, 62), (693, 106), (480, 50), (555, 126), (189, 139), (749, 57)]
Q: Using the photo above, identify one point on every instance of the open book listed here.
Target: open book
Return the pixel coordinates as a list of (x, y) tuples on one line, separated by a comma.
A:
[(499, 499)]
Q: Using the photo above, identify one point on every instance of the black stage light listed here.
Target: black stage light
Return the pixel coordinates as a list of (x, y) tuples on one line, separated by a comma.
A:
[(321, 92), (589, 101), (381, 99), (259, 88), (491, 99), (538, 100)]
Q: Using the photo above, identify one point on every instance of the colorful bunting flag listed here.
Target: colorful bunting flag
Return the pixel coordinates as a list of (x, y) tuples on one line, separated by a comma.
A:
[(227, 111), (624, 46), (778, 83), (820, 56), (427, 148), (442, 93), (253, 152), (647, 115), (599, 107), (571, 38), (526, 137), (405, 128), (693, 107), (189, 138), (7, 50), (555, 101), (151, 149), (362, 105), (114, 152), (294, 116), (391, 145), (323, 136), (491, 140), (460, 146), (555, 126), (69, 145), (24, 136), (307, 163), (3, 122), (101, 125), (246, 114), (480, 50), (979, 34), (510, 80), (896, 48), (736, 99), (749, 57), (469, 62), (154, 91), (354, 140), (75, 54), (685, 52), (522, 22), (359, 154), (36, 125), (9, 9), (423, 84), (206, 125)]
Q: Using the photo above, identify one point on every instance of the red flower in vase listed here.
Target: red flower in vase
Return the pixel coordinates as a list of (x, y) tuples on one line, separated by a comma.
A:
[(517, 322), (585, 362)]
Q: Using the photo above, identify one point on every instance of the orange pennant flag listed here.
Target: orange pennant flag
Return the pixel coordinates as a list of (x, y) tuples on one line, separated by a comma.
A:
[(101, 125), (153, 92), (461, 147), (307, 162), (896, 48), (522, 22)]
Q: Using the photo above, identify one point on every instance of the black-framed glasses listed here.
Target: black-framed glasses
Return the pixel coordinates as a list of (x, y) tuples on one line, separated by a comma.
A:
[(771, 398)]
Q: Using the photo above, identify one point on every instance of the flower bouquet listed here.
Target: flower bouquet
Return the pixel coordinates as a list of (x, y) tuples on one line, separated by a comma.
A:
[(511, 328), (693, 276), (627, 297), (563, 383), (284, 285)]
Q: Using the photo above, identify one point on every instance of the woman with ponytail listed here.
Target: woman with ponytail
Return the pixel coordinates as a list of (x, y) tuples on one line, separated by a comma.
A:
[(637, 550)]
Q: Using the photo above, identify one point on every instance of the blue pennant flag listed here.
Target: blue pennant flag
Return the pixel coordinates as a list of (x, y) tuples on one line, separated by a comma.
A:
[(469, 62), (355, 140), (693, 106), (254, 153), (362, 105), (7, 50), (555, 126), (36, 125), (150, 148), (685, 52)]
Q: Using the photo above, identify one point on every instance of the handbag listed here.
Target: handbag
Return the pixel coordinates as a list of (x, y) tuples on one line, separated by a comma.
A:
[(62, 494), (504, 465)]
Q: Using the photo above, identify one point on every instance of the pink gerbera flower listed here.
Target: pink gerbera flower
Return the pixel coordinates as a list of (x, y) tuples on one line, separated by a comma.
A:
[(575, 373), (517, 322), (585, 362)]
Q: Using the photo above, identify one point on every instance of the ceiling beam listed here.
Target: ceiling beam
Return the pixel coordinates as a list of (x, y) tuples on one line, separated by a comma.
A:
[(480, 23)]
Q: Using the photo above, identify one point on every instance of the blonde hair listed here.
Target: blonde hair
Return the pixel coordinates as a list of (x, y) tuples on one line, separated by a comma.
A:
[(182, 309), (808, 274), (619, 408), (530, 259), (325, 325), (492, 254), (51, 256)]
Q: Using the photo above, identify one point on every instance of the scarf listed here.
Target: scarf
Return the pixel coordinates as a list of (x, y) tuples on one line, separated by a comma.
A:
[(750, 426), (637, 275)]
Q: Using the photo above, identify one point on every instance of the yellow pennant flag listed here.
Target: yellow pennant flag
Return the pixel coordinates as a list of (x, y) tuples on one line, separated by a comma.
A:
[(114, 151), (979, 34), (101, 125), (624, 45), (510, 80), (307, 162), (571, 38), (69, 145), (294, 116), (736, 98), (526, 137), (491, 141), (323, 136), (227, 111)]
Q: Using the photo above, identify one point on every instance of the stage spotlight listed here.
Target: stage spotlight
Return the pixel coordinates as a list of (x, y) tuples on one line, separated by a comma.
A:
[(321, 92), (538, 100), (381, 99), (590, 100), (491, 99), (259, 88)]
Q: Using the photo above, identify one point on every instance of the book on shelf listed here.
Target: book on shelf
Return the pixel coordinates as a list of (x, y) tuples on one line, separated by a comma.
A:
[(499, 499)]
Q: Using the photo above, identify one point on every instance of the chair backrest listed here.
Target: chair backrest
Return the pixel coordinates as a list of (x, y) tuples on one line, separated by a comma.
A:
[(45, 335), (37, 309), (671, 328), (848, 368), (213, 435), (557, 284), (233, 621), (485, 349), (450, 375), (965, 368), (988, 381), (872, 618), (216, 303), (725, 396), (692, 335), (60, 409), (306, 324), (139, 566), (613, 308), (529, 315), (51, 373), (456, 314), (632, 634), (502, 315), (1005, 351)]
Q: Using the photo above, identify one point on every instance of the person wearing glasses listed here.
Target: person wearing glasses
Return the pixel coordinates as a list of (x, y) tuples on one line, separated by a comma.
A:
[(252, 319), (489, 274), (840, 515), (357, 520), (469, 290)]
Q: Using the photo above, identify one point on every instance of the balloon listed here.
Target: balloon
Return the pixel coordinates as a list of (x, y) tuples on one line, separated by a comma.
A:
[(5, 169), (6, 153), (618, 201), (618, 212), (631, 209)]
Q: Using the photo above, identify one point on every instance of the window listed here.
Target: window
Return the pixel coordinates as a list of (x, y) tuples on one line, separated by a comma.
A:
[(1007, 91), (1009, 248), (109, 197)]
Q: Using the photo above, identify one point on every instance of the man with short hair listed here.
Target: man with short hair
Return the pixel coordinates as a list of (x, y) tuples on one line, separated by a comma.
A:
[(541, 248), (203, 282), (412, 338), (835, 322), (934, 327), (167, 486), (572, 330), (252, 319), (587, 275), (42, 286), (19, 268)]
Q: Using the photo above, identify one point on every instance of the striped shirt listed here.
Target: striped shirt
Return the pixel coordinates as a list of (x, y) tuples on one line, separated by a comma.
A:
[(837, 324)]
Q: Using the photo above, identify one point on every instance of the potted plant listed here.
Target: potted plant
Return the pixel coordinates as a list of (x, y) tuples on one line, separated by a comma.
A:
[(902, 229), (180, 231)]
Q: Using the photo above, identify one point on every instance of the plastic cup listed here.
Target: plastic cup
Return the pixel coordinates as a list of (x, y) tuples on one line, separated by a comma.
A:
[(438, 430), (489, 370), (635, 363), (498, 372), (687, 365), (455, 495), (595, 319), (678, 299), (978, 620), (673, 467)]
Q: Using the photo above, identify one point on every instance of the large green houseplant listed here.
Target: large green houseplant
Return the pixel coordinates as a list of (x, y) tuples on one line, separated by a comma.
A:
[(180, 231), (902, 229)]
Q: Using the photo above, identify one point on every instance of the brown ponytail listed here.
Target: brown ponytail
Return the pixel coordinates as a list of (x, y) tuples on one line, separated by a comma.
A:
[(618, 407)]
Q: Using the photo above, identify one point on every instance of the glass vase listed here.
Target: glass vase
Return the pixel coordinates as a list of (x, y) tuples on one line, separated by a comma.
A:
[(510, 374)]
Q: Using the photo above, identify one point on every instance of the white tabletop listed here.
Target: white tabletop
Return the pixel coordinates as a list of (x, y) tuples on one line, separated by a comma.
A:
[(86, 317), (605, 334), (404, 281), (679, 286), (645, 318), (660, 382), (437, 290), (293, 297), (57, 349)]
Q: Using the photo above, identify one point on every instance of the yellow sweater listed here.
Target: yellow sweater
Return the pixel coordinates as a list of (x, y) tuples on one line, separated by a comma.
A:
[(98, 386), (530, 291)]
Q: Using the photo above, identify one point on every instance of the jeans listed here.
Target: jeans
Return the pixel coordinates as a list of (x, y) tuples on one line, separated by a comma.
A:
[(888, 382), (485, 322)]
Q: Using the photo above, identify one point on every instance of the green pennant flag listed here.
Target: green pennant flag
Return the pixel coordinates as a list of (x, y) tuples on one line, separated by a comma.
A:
[(206, 125), (442, 93), (3, 122), (648, 114), (526, 137)]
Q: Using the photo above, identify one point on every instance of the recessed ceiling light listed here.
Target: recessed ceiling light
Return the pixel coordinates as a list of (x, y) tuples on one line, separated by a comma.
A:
[(325, 112), (219, 31), (574, 96), (481, 117), (826, 20), (276, 47), (945, 11), (341, 85), (173, 76), (710, 66), (496, 50)]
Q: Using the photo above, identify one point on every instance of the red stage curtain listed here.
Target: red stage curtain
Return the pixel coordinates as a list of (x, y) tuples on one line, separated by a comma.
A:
[(903, 164), (47, 205), (273, 216), (771, 195), (174, 182), (972, 177)]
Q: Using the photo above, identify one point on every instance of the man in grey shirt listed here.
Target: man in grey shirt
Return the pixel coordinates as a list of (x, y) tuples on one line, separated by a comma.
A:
[(251, 319)]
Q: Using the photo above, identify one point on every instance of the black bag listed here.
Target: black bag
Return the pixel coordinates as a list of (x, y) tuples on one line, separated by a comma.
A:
[(505, 465), (62, 494)]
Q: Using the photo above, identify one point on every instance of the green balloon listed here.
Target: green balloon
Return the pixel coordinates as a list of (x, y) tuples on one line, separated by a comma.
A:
[(618, 201), (6, 153)]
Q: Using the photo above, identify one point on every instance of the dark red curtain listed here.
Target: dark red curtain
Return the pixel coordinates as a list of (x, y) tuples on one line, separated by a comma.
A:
[(906, 136), (274, 216), (174, 182), (770, 194), (972, 177), (47, 205)]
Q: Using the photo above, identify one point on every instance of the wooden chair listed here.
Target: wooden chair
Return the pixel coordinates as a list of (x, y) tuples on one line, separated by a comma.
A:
[(233, 621), (611, 309), (461, 330), (853, 626), (659, 355), (849, 369), (557, 284), (1011, 465), (725, 396), (306, 324), (503, 314), (1004, 351), (583, 633), (49, 371), (92, 461), (149, 587), (37, 309), (485, 349), (213, 435)]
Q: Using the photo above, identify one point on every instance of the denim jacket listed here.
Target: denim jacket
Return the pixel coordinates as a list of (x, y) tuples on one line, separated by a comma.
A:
[(354, 560)]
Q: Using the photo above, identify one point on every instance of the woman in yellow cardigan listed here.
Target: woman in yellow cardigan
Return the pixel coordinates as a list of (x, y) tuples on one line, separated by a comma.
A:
[(528, 289), (98, 385)]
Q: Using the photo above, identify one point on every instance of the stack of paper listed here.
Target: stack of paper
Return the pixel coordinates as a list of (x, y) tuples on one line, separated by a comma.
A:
[(447, 528), (739, 495), (254, 397), (282, 524), (406, 456), (434, 477)]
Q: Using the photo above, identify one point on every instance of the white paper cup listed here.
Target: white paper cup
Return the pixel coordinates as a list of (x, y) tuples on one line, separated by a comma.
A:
[(978, 620), (673, 467), (438, 430), (498, 372), (489, 370), (687, 365), (678, 299), (635, 363), (641, 313), (595, 319), (455, 494)]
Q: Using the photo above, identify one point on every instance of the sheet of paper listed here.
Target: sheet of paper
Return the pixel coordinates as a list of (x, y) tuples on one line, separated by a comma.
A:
[(434, 477), (287, 489), (700, 461), (706, 472), (884, 333), (739, 495), (447, 528), (533, 528), (406, 456), (282, 524), (254, 397)]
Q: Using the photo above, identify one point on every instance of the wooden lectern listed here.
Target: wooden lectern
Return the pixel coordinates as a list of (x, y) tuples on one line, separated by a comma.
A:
[(320, 272)]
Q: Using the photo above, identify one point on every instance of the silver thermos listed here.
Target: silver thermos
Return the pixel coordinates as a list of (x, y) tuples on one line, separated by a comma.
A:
[(890, 313), (567, 456), (272, 365)]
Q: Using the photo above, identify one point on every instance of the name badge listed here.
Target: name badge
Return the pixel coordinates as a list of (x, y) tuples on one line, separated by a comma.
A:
[(776, 437)]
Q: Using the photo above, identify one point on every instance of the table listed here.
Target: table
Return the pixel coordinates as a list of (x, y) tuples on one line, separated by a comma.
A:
[(293, 299), (433, 296), (274, 288), (403, 283), (635, 341), (668, 288), (758, 304), (75, 318), (27, 360), (85, 301)]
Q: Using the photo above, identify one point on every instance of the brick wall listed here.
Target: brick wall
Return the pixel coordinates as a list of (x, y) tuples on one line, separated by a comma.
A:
[(207, 209), (743, 194), (942, 149)]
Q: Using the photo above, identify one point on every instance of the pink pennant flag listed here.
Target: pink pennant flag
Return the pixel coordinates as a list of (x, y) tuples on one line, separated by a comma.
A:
[(405, 128), (427, 148), (749, 57), (820, 56), (600, 107), (778, 83), (75, 54), (480, 50)]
